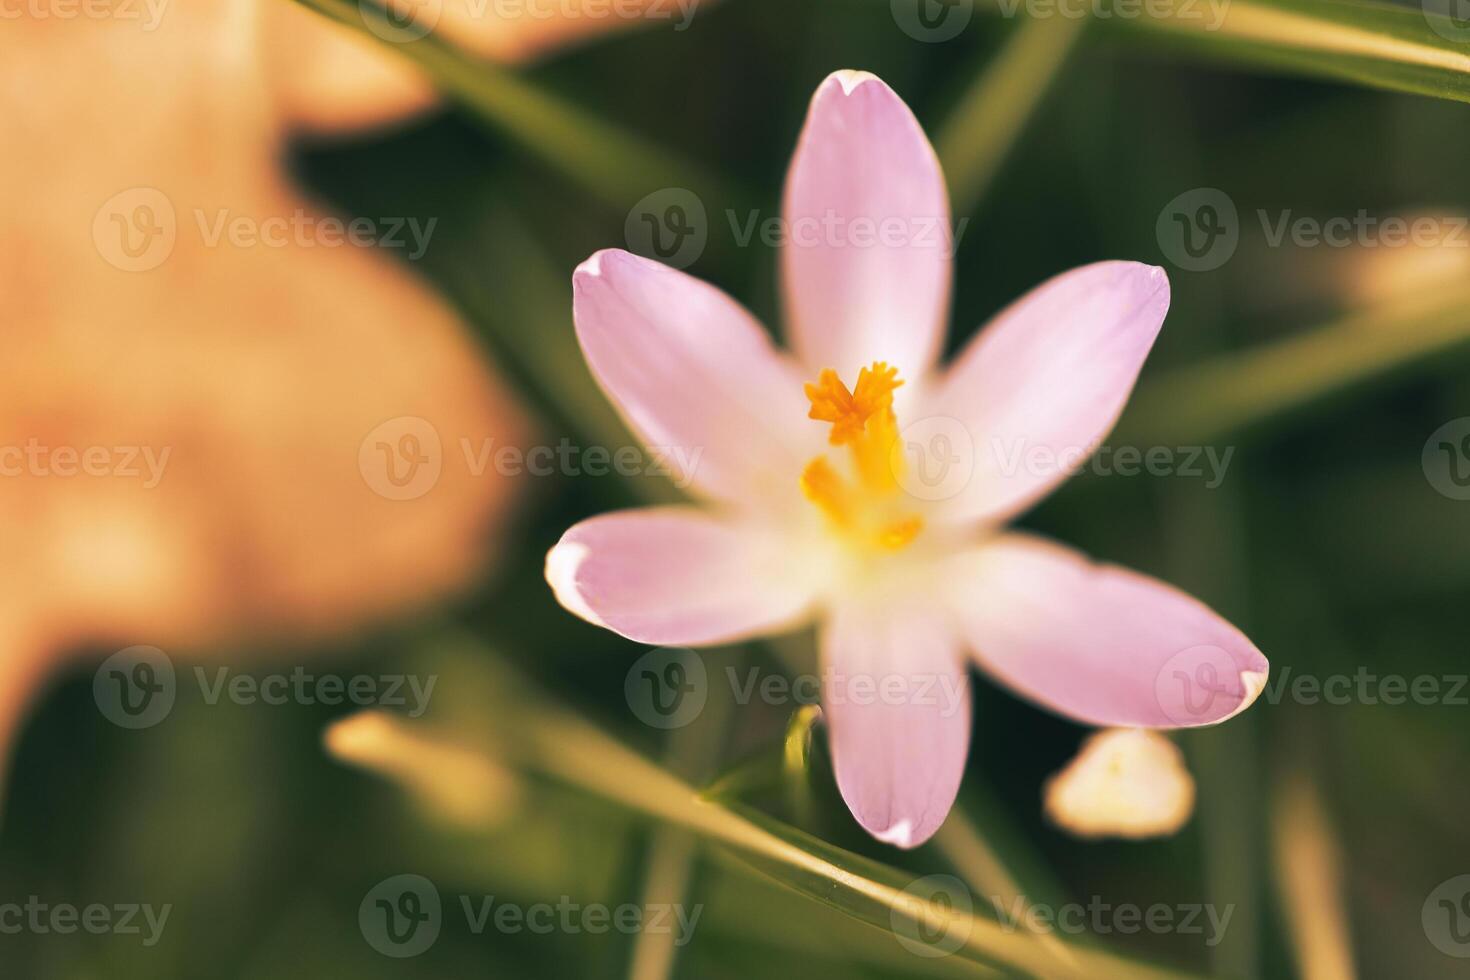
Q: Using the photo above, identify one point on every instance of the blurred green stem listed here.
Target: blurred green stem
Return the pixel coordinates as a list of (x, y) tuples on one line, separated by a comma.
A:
[(982, 128), (959, 838), (796, 762), (1309, 879), (1208, 556), (1377, 44), (613, 165), (525, 304), (1231, 393), (693, 752), (529, 730), (962, 844), (1404, 48)]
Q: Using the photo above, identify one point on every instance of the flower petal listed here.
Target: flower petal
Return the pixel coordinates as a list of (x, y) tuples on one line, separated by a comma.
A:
[(1124, 782), (896, 693), (867, 260), (1047, 379), (1098, 643), (695, 376), (676, 575)]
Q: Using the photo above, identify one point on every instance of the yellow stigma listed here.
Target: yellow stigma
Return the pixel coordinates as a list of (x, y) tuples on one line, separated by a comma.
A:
[(862, 419)]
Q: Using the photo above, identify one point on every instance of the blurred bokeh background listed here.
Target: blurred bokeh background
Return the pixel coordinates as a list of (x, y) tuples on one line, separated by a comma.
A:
[(1325, 824)]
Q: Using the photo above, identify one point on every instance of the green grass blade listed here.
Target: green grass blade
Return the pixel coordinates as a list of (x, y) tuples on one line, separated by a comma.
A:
[(492, 709), (1241, 391), (1404, 49), (608, 162), (984, 125)]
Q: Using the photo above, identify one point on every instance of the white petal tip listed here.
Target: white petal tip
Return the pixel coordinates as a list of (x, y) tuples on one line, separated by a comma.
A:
[(851, 79), (562, 563), (900, 834), (591, 268), (1252, 683), (1159, 278)]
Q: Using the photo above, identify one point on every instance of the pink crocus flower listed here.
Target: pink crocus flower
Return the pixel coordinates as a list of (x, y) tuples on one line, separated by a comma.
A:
[(816, 511)]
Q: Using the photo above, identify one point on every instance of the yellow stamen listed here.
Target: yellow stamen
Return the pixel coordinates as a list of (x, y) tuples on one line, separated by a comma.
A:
[(862, 419), (849, 411), (898, 534), (823, 487)]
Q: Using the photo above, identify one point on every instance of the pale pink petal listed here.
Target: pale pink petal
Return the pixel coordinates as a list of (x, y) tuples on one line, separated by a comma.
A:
[(867, 260), (1044, 383), (1099, 643), (895, 690), (695, 376), (676, 575)]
